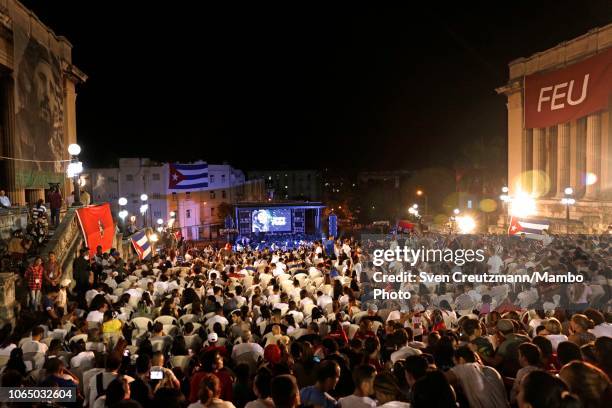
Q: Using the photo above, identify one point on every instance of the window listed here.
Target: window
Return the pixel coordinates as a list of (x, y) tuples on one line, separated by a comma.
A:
[(188, 195), (223, 194), (212, 211), (174, 196), (212, 178), (157, 214), (223, 178), (212, 194), (187, 213), (129, 177), (156, 177)]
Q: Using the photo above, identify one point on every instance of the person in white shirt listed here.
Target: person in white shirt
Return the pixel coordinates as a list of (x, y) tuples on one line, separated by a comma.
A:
[(35, 345), (495, 263), (217, 318), (247, 346), (5, 202), (323, 300), (97, 316), (601, 328), (363, 378), (404, 337)]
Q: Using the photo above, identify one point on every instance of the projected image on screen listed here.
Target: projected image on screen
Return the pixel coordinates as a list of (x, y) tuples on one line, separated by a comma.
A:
[(271, 220)]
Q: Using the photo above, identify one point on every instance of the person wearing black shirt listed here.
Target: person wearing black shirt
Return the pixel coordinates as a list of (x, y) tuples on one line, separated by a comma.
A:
[(140, 390)]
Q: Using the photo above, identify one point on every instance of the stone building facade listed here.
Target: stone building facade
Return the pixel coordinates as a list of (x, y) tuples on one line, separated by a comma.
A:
[(37, 94), (559, 129)]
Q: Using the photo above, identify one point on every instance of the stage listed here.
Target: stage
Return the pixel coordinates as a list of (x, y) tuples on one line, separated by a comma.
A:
[(263, 221)]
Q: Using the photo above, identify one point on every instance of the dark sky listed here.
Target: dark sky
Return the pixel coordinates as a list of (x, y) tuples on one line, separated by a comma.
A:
[(301, 86)]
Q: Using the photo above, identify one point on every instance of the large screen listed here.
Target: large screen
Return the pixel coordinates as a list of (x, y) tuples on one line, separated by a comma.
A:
[(271, 220)]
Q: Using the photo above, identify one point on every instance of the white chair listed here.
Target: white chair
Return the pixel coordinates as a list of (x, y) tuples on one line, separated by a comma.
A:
[(47, 341), (78, 337), (193, 341), (188, 318), (297, 333), (141, 326), (308, 309), (171, 329), (166, 320), (159, 345), (352, 330), (180, 361)]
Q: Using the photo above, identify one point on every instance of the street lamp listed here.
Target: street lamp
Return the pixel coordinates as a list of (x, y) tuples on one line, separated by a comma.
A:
[(568, 200), (75, 168), (505, 198), (456, 211), (144, 207), (421, 193), (122, 201)]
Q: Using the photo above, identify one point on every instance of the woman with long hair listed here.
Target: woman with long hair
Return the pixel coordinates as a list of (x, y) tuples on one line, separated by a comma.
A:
[(388, 393), (579, 330), (589, 383), (540, 389), (209, 394)]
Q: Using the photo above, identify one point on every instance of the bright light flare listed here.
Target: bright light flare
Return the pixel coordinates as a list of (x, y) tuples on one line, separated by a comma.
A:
[(465, 224), (123, 201), (144, 208), (123, 214), (153, 238), (591, 178), (522, 205)]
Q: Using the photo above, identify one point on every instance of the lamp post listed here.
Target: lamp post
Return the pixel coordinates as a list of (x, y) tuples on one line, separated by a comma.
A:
[(421, 193), (143, 208), (122, 211), (505, 197), (568, 200), (75, 168)]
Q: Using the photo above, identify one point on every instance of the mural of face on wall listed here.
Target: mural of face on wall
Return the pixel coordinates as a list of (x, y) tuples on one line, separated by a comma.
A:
[(40, 110)]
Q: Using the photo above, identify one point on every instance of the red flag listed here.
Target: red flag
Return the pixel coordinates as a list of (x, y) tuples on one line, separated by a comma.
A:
[(97, 226)]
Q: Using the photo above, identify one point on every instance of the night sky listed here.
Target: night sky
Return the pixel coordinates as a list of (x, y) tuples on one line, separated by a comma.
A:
[(299, 86)]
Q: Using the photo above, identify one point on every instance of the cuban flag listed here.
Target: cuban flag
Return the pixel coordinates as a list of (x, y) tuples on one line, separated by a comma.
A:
[(533, 229), (141, 244), (187, 176)]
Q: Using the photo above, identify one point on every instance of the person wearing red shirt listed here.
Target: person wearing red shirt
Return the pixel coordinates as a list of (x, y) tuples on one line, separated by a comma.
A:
[(211, 362), (365, 329), (34, 278), (337, 333)]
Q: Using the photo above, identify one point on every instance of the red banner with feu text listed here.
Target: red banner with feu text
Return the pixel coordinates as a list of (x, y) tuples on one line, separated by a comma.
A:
[(569, 93)]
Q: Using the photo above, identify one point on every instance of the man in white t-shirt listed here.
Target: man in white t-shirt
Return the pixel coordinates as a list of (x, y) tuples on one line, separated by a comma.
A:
[(35, 345), (495, 263), (363, 377), (97, 316), (247, 346)]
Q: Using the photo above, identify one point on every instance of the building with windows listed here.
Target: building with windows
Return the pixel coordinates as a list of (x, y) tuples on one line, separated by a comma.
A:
[(290, 184), (200, 212), (559, 129)]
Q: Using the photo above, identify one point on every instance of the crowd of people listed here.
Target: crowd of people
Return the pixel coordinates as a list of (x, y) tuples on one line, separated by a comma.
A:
[(287, 327)]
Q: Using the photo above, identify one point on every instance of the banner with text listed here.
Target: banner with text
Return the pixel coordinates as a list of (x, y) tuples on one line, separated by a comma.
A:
[(569, 93)]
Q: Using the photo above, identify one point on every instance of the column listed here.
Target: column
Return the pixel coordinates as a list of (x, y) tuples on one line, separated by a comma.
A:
[(578, 156), (15, 194), (593, 155), (539, 162), (526, 159), (563, 158), (551, 160)]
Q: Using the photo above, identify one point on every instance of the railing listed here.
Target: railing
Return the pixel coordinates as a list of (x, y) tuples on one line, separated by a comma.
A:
[(65, 242)]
